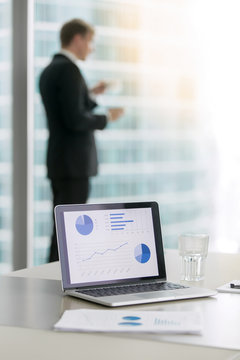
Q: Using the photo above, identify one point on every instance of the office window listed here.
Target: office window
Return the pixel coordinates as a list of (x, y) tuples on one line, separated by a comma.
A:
[(166, 147), (152, 152), (174, 67), (5, 138)]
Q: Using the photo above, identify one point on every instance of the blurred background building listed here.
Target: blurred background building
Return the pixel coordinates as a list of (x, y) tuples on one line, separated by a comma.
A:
[(144, 50), (155, 54)]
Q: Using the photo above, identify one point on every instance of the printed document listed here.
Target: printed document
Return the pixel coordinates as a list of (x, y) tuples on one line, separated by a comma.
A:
[(177, 322)]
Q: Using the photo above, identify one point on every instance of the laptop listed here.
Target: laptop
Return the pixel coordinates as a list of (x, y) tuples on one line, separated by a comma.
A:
[(112, 254)]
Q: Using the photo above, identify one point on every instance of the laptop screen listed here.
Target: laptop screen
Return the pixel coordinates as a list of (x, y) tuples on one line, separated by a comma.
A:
[(103, 244)]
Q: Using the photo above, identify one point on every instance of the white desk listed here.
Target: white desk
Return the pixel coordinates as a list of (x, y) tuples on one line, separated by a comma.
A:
[(45, 344)]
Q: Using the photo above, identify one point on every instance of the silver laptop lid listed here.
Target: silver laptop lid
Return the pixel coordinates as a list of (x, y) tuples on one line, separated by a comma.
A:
[(109, 243)]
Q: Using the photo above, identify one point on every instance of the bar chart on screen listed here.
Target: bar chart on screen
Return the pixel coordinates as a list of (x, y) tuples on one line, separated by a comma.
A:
[(120, 223)]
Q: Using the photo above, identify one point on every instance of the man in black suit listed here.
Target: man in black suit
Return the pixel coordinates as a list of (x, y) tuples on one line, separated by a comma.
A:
[(71, 153)]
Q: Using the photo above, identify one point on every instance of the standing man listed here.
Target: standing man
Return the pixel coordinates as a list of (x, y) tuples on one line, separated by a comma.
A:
[(71, 153)]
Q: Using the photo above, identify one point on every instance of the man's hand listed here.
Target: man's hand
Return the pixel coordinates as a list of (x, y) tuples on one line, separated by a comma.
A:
[(99, 88), (115, 113)]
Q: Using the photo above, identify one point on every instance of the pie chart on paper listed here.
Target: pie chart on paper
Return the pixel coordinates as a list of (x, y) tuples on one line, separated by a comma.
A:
[(142, 253), (84, 225)]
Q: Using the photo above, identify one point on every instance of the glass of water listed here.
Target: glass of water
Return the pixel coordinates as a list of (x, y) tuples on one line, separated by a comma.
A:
[(193, 249)]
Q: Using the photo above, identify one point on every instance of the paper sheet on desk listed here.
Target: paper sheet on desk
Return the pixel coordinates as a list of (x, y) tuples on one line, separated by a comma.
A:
[(131, 321)]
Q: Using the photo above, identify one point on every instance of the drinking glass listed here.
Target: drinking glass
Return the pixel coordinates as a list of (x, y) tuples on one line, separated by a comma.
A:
[(193, 249)]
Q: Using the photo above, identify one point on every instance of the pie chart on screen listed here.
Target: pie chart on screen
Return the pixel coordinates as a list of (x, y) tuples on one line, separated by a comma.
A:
[(142, 253), (84, 225)]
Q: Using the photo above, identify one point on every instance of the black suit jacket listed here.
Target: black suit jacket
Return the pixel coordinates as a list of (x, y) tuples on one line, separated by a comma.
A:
[(71, 149)]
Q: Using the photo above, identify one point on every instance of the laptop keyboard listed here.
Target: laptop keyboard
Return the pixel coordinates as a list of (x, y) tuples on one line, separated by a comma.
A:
[(131, 289)]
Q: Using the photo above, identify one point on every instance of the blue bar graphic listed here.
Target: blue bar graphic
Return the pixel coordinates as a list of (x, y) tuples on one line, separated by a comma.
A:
[(118, 229), (121, 221), (118, 225), (116, 217), (117, 214)]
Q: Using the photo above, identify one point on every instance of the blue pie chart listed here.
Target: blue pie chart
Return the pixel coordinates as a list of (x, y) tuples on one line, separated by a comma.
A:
[(84, 225), (142, 253)]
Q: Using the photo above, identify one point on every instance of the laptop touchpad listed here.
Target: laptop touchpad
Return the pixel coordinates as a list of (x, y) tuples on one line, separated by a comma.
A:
[(154, 295)]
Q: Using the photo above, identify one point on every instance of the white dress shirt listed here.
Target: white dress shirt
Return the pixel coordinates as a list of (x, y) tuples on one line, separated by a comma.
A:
[(69, 55)]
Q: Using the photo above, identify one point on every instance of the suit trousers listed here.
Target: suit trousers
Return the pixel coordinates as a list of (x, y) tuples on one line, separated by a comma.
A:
[(66, 191)]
